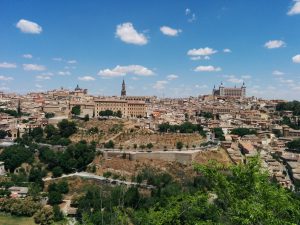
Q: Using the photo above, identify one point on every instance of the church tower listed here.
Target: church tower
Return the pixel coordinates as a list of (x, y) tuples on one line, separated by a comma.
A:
[(243, 90), (123, 91)]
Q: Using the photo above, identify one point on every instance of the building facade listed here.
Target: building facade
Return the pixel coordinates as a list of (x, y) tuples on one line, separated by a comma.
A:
[(128, 108), (236, 92)]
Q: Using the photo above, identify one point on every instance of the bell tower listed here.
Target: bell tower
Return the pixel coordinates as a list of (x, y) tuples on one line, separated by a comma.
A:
[(123, 91)]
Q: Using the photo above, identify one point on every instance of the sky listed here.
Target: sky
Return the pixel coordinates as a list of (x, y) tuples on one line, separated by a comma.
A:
[(170, 48)]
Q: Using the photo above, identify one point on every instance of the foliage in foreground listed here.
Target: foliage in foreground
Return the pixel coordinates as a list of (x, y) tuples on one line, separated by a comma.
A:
[(241, 194)]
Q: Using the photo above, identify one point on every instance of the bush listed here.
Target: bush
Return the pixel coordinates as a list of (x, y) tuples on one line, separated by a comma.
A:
[(54, 197), (179, 145), (109, 144), (57, 171)]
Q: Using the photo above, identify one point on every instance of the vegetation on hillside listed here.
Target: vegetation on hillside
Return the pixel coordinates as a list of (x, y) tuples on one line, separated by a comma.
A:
[(241, 194), (243, 131), (289, 106), (186, 127)]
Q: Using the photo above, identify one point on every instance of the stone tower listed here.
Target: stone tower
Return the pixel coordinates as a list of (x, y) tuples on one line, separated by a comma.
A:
[(123, 91), (221, 89), (243, 90)]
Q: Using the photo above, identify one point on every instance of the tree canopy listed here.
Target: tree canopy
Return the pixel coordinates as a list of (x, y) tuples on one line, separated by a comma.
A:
[(76, 110), (243, 131), (289, 106), (186, 127)]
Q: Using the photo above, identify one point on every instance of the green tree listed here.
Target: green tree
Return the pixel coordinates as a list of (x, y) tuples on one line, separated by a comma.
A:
[(57, 213), (86, 117), (219, 133), (50, 131), (45, 216), (3, 134), (57, 171), (243, 131), (109, 144), (66, 128), (15, 155), (149, 146), (49, 115), (54, 197), (179, 145), (63, 187), (76, 110)]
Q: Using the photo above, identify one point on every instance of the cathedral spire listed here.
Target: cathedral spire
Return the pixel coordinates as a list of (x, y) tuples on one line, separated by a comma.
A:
[(123, 91)]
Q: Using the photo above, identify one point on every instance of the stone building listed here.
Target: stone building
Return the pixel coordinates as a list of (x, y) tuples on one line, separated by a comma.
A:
[(239, 92)]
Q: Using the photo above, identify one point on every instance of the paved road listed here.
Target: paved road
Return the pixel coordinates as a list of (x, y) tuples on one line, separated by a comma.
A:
[(101, 178)]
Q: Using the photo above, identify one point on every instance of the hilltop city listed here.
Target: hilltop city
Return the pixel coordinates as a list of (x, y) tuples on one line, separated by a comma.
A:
[(149, 112), (119, 137)]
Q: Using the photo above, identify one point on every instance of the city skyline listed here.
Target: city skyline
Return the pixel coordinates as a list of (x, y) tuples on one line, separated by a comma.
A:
[(172, 49)]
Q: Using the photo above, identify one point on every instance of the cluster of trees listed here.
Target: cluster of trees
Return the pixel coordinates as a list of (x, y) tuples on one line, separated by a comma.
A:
[(49, 115), (55, 192), (50, 134), (74, 157), (15, 155), (186, 127), (289, 106), (293, 123), (10, 112), (294, 145), (108, 113), (243, 131), (76, 110), (3, 134), (219, 134), (19, 207), (242, 195), (207, 115)]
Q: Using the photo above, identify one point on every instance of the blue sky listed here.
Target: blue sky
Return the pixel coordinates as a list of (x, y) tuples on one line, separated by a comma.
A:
[(164, 48)]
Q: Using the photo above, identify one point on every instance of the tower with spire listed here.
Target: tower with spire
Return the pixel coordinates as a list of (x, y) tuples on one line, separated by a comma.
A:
[(123, 91)]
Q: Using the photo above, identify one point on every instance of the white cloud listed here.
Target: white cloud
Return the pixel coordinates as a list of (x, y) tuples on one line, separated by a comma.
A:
[(207, 69), (172, 77), (192, 18), (195, 58), (38, 86), (275, 44), (5, 78), (86, 78), (43, 77), (72, 61), (7, 65), (64, 73), (27, 56), (160, 84), (128, 34), (201, 52), (295, 8), (27, 26), (204, 86), (135, 78), (227, 50), (277, 73), (3, 88), (170, 31), (235, 80), (123, 70), (33, 67), (296, 58), (57, 59), (246, 77)]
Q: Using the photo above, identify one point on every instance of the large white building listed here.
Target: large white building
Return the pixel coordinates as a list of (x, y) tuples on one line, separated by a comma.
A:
[(239, 92)]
